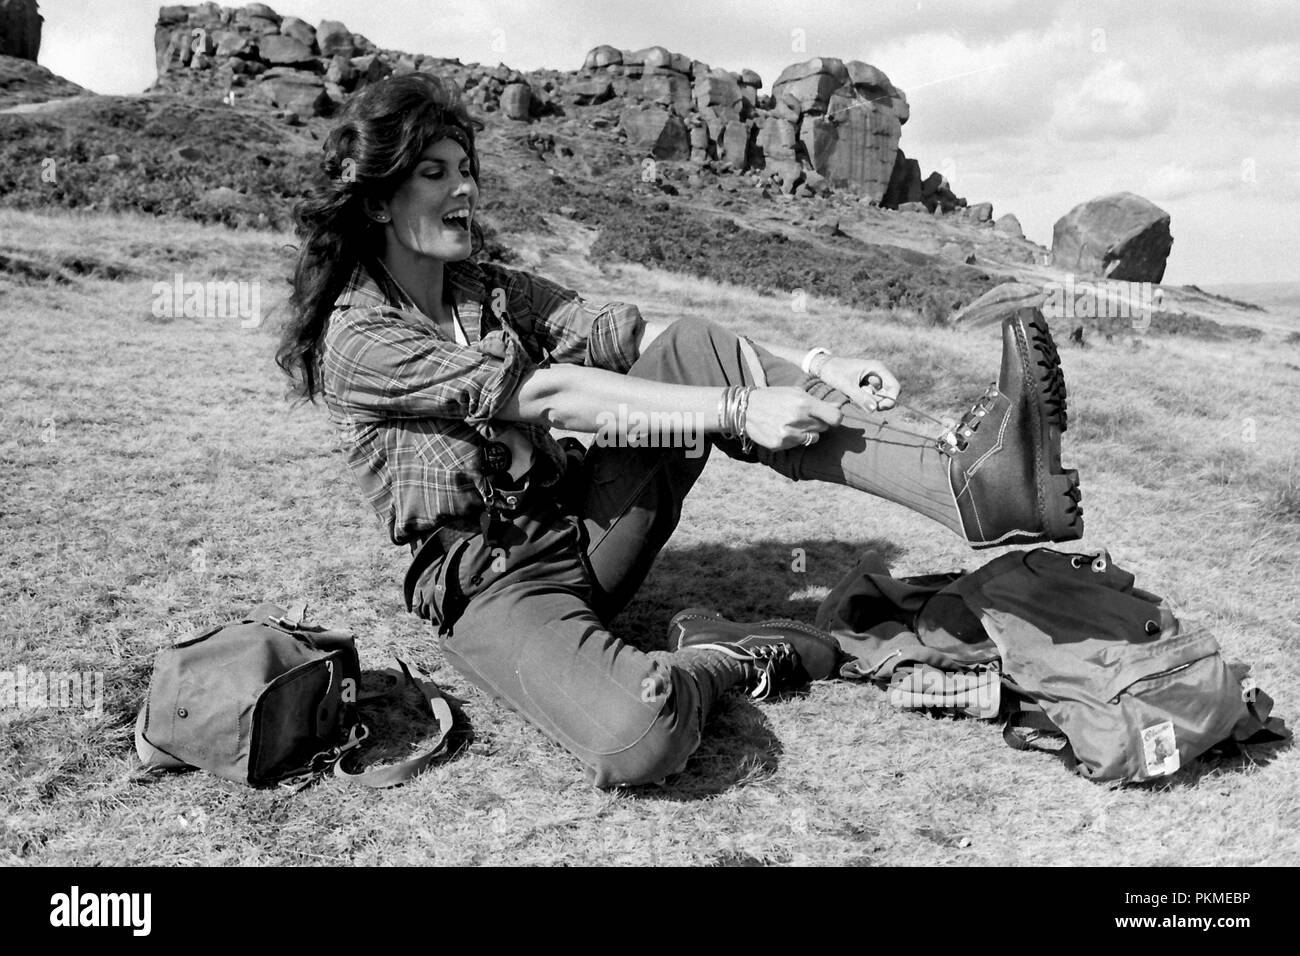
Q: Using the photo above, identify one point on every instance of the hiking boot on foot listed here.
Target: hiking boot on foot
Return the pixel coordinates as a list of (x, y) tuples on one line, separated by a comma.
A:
[(1005, 453), (778, 654)]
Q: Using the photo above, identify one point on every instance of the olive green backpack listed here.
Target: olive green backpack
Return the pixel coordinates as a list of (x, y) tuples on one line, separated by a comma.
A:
[(270, 698), (1064, 648)]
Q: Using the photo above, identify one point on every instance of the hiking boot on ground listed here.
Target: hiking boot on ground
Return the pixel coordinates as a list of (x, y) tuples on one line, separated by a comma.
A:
[(1005, 453), (777, 655)]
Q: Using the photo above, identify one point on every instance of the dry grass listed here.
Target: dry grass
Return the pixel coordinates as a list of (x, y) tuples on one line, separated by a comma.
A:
[(169, 437)]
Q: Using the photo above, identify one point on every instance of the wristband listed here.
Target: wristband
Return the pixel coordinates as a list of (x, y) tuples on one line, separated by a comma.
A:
[(807, 364)]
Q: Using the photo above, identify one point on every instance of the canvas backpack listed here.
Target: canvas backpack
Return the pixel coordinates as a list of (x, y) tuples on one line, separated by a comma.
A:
[(1064, 647), (269, 698)]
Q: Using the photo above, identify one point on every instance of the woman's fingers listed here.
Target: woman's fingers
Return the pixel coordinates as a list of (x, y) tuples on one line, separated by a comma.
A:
[(824, 414), (784, 417)]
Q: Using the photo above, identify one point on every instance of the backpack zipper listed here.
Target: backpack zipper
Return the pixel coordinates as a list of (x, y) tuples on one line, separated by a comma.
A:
[(1165, 673)]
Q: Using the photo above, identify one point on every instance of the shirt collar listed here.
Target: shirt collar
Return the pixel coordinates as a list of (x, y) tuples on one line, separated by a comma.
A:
[(465, 278)]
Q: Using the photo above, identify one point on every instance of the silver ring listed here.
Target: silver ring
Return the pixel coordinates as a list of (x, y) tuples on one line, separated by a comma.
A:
[(810, 438)]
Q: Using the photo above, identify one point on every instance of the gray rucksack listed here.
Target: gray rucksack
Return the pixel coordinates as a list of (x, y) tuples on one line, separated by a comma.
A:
[(270, 698), (1064, 647)]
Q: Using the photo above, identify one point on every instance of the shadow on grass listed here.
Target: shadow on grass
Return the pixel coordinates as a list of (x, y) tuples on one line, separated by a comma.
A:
[(747, 583), (402, 727), (752, 582)]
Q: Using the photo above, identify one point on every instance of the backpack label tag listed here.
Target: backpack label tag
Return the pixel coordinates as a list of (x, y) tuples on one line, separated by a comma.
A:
[(1160, 749)]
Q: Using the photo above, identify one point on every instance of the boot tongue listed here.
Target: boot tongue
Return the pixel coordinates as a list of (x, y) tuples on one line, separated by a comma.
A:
[(1011, 371)]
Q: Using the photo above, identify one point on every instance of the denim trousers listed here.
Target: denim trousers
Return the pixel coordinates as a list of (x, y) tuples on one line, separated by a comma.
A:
[(526, 615)]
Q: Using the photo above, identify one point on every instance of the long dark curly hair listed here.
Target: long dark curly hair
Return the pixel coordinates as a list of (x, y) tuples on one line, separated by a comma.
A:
[(368, 154)]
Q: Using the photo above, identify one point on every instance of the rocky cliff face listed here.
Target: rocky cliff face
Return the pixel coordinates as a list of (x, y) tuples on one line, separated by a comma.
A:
[(20, 29), (828, 125)]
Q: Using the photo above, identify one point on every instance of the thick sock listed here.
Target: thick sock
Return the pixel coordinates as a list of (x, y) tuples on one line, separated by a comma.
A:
[(869, 452)]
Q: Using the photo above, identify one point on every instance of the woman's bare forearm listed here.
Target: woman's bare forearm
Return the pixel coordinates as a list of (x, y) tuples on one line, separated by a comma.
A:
[(579, 398)]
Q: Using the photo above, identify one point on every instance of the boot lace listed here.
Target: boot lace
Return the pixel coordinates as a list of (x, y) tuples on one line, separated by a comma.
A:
[(958, 439), (777, 667)]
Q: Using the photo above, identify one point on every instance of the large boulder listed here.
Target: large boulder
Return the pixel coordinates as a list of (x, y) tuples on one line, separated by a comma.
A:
[(334, 39), (656, 131), (1009, 225), (601, 57), (341, 72), (256, 10), (370, 69), (590, 92), (776, 140), (1121, 236), (284, 51), (904, 183), (229, 43), (854, 144), (666, 87), (718, 88), (938, 195), (661, 58), (871, 83), (999, 302), (516, 101), (812, 82), (300, 30), (20, 29), (733, 144), (302, 93)]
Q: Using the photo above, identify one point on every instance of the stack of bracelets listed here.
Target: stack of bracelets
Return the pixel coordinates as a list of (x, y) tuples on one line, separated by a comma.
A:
[(733, 407)]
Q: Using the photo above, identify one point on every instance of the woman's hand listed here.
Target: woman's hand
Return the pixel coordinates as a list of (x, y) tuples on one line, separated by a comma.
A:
[(780, 418), (850, 377)]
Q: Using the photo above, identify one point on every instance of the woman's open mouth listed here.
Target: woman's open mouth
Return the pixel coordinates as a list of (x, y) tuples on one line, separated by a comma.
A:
[(458, 219)]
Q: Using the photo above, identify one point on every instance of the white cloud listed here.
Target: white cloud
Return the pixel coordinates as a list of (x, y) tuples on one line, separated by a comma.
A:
[(1111, 104)]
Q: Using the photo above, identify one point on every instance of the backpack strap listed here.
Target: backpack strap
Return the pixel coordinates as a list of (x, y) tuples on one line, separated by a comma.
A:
[(1029, 728), (399, 773)]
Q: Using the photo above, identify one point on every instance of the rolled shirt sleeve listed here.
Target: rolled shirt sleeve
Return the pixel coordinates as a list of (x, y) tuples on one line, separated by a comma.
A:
[(377, 367), (572, 330)]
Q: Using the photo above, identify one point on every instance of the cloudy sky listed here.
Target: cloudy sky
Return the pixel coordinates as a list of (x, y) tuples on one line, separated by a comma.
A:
[(1030, 104)]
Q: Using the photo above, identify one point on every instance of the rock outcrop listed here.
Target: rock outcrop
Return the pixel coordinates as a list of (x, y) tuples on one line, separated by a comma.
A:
[(300, 69), (22, 81), (20, 29), (1121, 236), (828, 125), (848, 118)]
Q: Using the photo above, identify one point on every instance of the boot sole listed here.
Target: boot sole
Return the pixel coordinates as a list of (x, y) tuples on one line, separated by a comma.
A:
[(1057, 488)]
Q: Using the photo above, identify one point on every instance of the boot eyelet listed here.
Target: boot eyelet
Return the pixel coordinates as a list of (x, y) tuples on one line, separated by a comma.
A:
[(1075, 562), (1099, 564)]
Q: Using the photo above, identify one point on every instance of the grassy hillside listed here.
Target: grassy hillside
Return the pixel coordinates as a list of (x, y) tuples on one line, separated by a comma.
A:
[(155, 481), (205, 161)]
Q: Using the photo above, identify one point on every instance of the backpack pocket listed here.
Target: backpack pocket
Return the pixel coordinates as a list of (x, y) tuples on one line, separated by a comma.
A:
[(1163, 709), (295, 718)]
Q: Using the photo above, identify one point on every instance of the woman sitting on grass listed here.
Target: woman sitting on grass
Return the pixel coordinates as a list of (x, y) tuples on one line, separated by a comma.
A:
[(445, 375)]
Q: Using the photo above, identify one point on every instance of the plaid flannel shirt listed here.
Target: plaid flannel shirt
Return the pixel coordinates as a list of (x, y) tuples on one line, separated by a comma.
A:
[(414, 409)]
